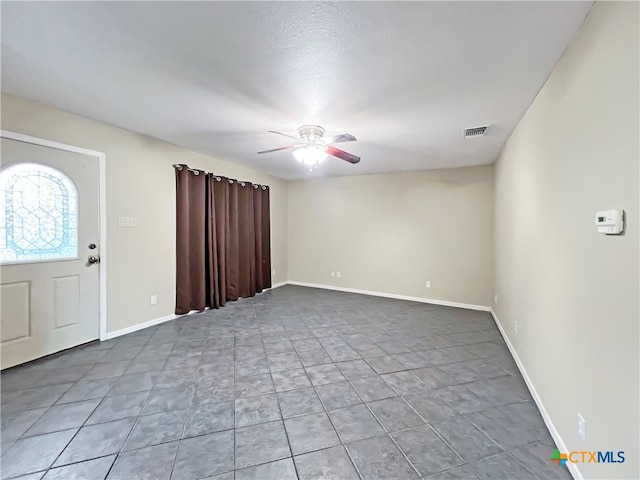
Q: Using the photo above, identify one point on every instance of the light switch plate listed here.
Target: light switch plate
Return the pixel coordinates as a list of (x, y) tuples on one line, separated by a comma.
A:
[(127, 222)]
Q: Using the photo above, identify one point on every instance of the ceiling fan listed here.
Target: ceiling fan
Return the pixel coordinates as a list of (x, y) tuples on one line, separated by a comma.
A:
[(312, 147)]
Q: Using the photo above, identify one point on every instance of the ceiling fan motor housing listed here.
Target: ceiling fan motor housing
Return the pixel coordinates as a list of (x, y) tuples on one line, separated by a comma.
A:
[(311, 134)]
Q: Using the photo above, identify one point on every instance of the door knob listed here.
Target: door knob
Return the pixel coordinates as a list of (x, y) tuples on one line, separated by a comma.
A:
[(93, 259)]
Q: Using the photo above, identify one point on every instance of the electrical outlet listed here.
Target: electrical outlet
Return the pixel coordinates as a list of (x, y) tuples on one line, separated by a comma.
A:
[(515, 327), (428, 284), (582, 428), (273, 272), (495, 298), (333, 274), (338, 274), (154, 299)]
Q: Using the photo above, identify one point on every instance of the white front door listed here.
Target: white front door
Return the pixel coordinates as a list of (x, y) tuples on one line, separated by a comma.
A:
[(49, 228)]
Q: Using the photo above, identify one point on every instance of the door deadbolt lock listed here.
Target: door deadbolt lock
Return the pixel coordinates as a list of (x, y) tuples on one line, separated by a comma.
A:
[(93, 259), (92, 246)]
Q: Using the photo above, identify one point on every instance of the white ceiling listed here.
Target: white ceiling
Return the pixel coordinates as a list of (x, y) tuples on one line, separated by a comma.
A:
[(404, 78)]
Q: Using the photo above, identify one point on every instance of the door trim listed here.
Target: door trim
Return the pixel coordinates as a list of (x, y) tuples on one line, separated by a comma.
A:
[(102, 200)]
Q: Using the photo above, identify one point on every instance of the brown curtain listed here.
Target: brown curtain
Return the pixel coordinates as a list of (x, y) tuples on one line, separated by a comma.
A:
[(262, 229), (190, 245), (223, 240)]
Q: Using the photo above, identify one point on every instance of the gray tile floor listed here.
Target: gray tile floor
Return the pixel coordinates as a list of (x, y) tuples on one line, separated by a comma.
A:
[(294, 383)]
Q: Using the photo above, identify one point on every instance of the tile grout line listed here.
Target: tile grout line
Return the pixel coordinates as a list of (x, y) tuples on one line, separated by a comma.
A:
[(388, 434), (74, 435), (369, 409), (326, 412), (281, 420), (117, 454), (427, 423)]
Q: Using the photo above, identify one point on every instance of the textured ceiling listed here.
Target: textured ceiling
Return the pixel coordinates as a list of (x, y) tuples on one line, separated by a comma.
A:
[(404, 78)]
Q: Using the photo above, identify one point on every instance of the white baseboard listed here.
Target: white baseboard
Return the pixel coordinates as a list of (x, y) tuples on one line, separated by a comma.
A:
[(157, 321), (393, 295), (562, 446), (140, 326)]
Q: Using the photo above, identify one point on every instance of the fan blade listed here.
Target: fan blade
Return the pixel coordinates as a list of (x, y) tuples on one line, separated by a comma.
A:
[(283, 134), (341, 154), (277, 149), (345, 137)]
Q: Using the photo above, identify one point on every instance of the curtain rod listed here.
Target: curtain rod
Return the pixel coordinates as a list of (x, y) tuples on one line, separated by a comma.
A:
[(198, 172)]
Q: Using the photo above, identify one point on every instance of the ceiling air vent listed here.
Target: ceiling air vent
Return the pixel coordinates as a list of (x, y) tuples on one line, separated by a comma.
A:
[(475, 132)]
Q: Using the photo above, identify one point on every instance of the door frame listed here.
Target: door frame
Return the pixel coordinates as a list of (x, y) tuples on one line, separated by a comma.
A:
[(102, 212)]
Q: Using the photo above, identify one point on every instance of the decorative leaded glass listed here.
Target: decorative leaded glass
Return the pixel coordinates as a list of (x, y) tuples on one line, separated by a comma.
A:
[(38, 214)]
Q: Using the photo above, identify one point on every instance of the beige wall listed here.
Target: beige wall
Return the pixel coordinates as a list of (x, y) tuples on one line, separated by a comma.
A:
[(574, 292), (391, 233), (140, 183)]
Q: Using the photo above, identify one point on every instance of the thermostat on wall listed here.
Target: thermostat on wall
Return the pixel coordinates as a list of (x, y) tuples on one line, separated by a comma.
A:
[(610, 222)]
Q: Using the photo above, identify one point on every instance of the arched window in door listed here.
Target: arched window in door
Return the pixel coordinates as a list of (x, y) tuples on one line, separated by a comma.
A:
[(38, 214)]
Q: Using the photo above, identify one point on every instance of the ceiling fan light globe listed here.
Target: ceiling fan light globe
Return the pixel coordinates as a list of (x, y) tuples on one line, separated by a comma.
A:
[(310, 155)]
